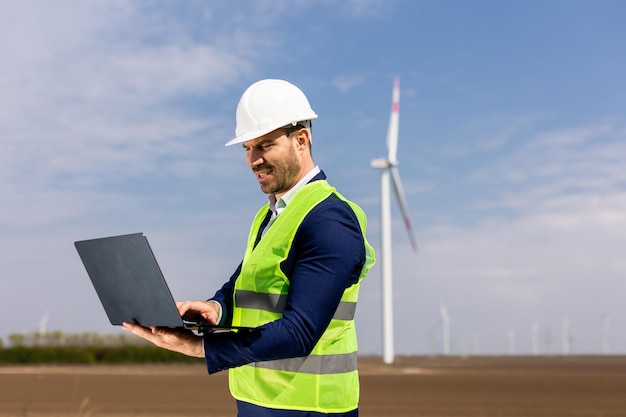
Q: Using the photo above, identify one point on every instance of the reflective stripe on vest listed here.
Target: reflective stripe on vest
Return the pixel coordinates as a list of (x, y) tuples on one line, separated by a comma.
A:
[(314, 364), (276, 303)]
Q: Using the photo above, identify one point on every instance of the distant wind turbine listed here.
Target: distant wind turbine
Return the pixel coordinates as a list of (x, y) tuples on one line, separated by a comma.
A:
[(43, 323), (566, 336), (445, 323), (386, 166), (606, 334), (535, 338), (512, 342)]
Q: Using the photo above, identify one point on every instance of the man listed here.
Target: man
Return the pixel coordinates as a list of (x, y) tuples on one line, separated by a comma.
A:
[(299, 279)]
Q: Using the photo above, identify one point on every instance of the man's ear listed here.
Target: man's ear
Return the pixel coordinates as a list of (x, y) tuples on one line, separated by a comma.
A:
[(303, 138)]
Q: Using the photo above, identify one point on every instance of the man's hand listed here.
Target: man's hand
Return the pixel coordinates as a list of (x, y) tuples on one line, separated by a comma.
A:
[(177, 340), (207, 311)]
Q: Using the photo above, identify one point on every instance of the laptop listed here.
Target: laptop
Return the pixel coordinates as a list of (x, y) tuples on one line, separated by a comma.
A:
[(130, 284)]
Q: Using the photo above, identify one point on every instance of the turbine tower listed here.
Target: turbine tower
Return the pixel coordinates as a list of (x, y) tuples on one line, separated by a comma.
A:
[(388, 166), (445, 323), (535, 338), (606, 333), (43, 323), (566, 336)]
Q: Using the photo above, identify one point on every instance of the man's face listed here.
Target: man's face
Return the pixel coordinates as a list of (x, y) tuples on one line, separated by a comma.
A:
[(276, 161)]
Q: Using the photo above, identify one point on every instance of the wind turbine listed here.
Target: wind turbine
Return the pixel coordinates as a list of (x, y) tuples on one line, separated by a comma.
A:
[(512, 342), (445, 323), (535, 338), (606, 333), (388, 166), (566, 338), (43, 323)]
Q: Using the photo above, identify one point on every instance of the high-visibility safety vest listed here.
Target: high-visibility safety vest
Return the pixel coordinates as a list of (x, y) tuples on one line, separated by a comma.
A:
[(325, 381)]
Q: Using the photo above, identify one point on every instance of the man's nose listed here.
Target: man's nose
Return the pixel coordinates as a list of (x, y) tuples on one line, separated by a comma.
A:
[(254, 159)]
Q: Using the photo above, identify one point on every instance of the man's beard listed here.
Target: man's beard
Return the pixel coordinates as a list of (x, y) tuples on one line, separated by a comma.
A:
[(284, 174)]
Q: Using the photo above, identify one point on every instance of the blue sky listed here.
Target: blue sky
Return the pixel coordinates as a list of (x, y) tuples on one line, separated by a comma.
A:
[(113, 116)]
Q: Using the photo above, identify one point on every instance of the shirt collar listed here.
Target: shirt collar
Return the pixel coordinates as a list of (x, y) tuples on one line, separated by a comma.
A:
[(278, 206)]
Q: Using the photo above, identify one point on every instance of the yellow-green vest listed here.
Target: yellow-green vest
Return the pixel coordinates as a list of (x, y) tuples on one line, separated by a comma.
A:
[(327, 380)]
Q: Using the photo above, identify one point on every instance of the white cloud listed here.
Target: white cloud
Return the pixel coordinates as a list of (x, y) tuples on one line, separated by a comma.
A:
[(365, 8), (555, 165), (87, 95), (346, 83)]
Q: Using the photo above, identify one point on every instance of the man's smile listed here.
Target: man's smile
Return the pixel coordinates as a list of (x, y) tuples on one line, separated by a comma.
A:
[(261, 174)]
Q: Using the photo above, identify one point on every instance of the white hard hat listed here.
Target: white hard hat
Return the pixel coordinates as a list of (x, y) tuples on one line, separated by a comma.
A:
[(268, 105)]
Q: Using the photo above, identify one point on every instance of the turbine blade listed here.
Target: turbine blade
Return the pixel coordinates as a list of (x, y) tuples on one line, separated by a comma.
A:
[(392, 132), (399, 191)]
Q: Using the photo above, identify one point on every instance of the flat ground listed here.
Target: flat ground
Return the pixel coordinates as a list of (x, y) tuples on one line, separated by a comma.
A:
[(416, 386)]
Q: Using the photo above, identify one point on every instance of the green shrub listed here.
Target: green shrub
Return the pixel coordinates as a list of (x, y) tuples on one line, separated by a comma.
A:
[(86, 348)]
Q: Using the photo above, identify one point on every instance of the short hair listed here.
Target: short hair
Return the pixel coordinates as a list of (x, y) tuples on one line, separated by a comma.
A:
[(305, 124)]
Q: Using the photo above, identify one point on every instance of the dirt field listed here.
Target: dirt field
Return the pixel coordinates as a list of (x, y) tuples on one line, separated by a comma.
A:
[(420, 386)]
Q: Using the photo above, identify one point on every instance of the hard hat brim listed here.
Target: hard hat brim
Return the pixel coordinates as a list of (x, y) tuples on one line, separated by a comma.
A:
[(258, 133), (249, 136)]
